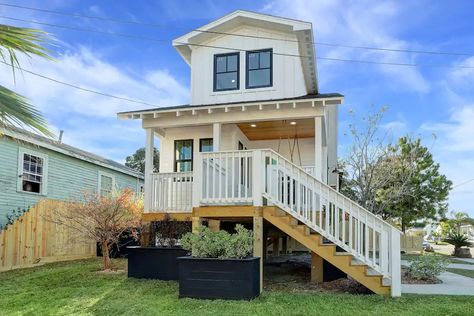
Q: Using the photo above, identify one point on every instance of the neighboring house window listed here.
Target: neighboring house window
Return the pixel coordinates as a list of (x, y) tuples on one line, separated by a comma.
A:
[(241, 146), (259, 69), (183, 155), (226, 72), (32, 169), (205, 145), (140, 189), (106, 183)]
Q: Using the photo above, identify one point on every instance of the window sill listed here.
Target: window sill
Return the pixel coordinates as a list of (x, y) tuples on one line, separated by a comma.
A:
[(242, 91), (31, 193)]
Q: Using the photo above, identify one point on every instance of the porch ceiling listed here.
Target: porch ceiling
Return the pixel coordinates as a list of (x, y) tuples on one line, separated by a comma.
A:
[(267, 130)]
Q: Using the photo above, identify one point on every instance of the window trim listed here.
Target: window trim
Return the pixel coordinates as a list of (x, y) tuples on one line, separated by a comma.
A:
[(44, 182), (204, 139), (247, 68), (215, 71), (99, 184), (175, 165)]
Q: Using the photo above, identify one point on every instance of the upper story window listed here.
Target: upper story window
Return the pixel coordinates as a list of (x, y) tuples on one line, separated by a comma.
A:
[(32, 169), (259, 69), (205, 145), (226, 72), (183, 155)]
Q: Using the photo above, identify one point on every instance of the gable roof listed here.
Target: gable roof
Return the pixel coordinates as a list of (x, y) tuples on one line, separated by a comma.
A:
[(303, 31), (68, 150)]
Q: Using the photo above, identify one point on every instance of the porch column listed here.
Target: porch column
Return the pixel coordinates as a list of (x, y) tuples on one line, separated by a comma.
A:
[(318, 147), (216, 136), (317, 271), (258, 242), (149, 146)]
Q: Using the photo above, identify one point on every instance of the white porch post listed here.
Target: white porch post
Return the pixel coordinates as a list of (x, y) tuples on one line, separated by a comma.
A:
[(318, 147), (395, 265), (149, 147), (197, 180), (258, 177), (216, 136)]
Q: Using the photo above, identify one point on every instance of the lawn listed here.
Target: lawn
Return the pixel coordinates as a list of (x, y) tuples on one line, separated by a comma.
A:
[(75, 288), (464, 272), (450, 258)]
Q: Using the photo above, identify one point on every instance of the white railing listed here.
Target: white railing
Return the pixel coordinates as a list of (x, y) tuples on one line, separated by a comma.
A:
[(337, 218), (226, 177), (172, 192), (310, 169)]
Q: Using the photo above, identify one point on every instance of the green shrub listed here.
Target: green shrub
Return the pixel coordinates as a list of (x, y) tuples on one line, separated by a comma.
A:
[(208, 244), (427, 267)]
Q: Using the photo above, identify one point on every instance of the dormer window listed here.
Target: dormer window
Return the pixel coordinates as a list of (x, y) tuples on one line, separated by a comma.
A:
[(226, 72), (259, 69)]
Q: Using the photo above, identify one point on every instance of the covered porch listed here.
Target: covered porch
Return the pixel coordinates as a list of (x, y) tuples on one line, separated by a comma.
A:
[(303, 131)]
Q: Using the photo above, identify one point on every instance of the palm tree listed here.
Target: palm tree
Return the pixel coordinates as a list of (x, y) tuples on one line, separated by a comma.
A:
[(14, 108)]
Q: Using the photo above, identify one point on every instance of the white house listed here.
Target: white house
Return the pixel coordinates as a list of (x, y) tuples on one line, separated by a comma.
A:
[(258, 141)]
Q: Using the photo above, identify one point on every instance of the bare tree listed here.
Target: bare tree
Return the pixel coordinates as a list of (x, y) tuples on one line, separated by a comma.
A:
[(368, 167), (102, 218)]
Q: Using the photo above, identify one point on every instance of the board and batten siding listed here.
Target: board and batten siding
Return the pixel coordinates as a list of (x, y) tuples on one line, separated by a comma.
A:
[(288, 78), (67, 177)]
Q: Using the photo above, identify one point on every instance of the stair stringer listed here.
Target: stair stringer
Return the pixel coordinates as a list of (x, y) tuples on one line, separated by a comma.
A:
[(313, 242)]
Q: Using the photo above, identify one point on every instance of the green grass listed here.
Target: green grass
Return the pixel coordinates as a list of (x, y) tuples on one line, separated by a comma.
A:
[(450, 258), (464, 272), (75, 288)]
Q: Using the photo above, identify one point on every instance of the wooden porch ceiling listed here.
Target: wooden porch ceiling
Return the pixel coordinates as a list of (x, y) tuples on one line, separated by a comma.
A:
[(267, 130)]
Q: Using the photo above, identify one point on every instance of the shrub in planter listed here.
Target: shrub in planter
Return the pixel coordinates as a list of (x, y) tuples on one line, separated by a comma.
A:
[(427, 267), (159, 259), (459, 240), (220, 266)]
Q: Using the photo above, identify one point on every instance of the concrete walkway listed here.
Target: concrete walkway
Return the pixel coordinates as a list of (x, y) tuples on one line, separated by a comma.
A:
[(453, 284)]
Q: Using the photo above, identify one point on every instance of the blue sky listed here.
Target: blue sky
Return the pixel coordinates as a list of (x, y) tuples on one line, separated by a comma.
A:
[(422, 101)]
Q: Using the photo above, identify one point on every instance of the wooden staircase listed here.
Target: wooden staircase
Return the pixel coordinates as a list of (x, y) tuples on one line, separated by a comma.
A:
[(344, 261)]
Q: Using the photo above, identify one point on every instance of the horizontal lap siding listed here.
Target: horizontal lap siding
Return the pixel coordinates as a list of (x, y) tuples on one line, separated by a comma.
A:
[(67, 177)]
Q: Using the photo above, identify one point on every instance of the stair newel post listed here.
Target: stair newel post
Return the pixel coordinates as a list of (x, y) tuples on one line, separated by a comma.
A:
[(257, 178), (395, 265), (197, 180)]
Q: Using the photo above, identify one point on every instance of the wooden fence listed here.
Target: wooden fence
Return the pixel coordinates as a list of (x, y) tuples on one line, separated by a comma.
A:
[(34, 239), (411, 243)]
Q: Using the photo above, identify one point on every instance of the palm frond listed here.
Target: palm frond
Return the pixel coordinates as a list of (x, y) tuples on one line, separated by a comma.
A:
[(16, 111)]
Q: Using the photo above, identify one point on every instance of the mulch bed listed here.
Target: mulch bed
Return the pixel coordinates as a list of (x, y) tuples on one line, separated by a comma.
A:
[(408, 279), (295, 276)]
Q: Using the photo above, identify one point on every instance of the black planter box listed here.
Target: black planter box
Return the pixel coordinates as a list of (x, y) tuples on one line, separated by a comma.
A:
[(154, 262), (209, 278)]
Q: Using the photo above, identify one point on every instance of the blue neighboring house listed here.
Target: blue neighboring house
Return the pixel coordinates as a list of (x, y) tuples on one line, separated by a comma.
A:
[(33, 167)]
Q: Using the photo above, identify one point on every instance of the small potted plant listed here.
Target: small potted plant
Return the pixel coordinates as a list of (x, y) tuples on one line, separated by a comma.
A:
[(158, 259), (220, 265)]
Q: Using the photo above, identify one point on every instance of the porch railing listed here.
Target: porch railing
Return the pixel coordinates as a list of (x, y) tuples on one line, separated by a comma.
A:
[(172, 192)]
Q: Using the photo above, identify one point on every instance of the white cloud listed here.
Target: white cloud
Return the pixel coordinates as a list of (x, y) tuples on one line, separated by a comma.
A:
[(89, 120), (365, 23)]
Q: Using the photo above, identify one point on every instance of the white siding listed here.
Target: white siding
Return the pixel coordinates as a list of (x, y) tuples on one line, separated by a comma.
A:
[(288, 79)]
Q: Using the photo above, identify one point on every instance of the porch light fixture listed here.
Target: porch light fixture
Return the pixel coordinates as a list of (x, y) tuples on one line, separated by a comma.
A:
[(253, 125), (292, 123)]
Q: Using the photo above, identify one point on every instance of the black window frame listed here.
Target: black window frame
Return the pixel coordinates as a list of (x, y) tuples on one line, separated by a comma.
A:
[(205, 139), (215, 71), (176, 161), (247, 86)]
